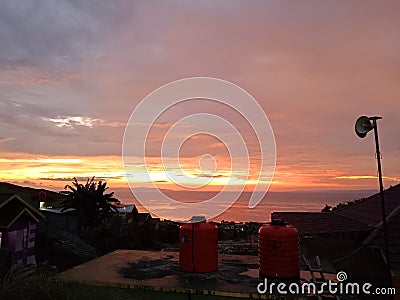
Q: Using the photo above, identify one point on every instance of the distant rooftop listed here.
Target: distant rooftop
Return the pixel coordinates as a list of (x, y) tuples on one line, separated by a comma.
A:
[(57, 210), (127, 208)]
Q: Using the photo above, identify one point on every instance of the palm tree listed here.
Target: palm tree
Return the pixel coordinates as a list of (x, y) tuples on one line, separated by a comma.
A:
[(90, 201)]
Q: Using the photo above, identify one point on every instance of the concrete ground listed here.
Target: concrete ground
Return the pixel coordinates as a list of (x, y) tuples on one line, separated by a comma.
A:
[(155, 273), (152, 271)]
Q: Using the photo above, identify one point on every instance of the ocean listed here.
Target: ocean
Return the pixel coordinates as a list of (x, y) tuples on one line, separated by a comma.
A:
[(295, 201)]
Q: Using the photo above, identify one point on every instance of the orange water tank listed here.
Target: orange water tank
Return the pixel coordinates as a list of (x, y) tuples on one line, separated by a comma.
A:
[(198, 248), (278, 251)]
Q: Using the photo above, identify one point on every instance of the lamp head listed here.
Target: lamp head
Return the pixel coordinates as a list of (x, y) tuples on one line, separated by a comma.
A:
[(363, 125)]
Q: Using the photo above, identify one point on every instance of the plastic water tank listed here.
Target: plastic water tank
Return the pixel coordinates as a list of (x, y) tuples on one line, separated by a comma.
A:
[(278, 251), (198, 248)]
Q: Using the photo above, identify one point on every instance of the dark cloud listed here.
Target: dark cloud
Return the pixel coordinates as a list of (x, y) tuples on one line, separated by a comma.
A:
[(208, 175), (50, 33), (80, 179)]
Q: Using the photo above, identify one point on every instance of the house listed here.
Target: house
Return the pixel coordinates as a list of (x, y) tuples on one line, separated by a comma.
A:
[(35, 197), (145, 219), (130, 214), (59, 219), (126, 211), (360, 220), (232, 226), (356, 218), (18, 222), (368, 210), (142, 218)]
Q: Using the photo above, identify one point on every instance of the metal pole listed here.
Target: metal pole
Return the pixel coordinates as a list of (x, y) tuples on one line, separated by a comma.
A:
[(378, 158)]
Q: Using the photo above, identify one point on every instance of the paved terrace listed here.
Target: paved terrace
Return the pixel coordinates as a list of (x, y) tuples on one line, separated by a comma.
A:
[(237, 275)]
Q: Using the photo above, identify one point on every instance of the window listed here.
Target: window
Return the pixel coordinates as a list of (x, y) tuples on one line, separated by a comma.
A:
[(21, 239), (25, 239)]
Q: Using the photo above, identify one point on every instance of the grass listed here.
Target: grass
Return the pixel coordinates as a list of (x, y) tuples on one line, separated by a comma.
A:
[(39, 289), (35, 288)]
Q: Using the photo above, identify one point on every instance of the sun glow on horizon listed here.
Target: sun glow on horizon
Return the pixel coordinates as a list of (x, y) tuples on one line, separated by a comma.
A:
[(56, 171)]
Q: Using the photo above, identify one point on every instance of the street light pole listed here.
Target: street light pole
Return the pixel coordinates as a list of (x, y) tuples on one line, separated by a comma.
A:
[(378, 158)]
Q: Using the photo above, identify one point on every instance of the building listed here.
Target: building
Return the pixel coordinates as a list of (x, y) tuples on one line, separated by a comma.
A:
[(18, 223), (35, 197), (324, 224), (59, 219), (126, 211), (360, 220)]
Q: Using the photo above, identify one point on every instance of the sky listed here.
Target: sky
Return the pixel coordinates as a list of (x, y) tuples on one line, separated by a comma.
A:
[(72, 73)]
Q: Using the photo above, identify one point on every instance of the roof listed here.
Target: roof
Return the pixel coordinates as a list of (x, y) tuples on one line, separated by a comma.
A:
[(376, 238), (50, 195), (320, 222), (368, 210), (142, 218), (57, 210), (362, 215), (13, 208), (125, 208), (5, 197)]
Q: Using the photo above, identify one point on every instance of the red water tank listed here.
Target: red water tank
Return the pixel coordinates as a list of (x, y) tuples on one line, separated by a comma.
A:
[(198, 248), (278, 251)]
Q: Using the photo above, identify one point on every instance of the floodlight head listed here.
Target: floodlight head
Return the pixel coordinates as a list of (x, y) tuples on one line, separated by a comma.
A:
[(363, 125)]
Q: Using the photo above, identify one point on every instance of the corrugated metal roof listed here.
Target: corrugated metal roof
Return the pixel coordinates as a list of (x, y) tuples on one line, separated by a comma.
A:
[(368, 210), (376, 238), (320, 222)]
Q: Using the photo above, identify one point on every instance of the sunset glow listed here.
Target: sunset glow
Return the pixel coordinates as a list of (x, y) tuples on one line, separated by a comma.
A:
[(56, 172)]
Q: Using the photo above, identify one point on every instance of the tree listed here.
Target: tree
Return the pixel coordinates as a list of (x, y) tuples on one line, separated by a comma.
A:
[(90, 201), (327, 208)]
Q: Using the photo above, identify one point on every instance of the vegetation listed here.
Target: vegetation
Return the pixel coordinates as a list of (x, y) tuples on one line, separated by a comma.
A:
[(341, 205), (38, 289), (90, 200), (327, 208)]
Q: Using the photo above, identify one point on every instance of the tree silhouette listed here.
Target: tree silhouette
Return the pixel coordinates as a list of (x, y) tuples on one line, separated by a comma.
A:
[(90, 201), (327, 208)]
